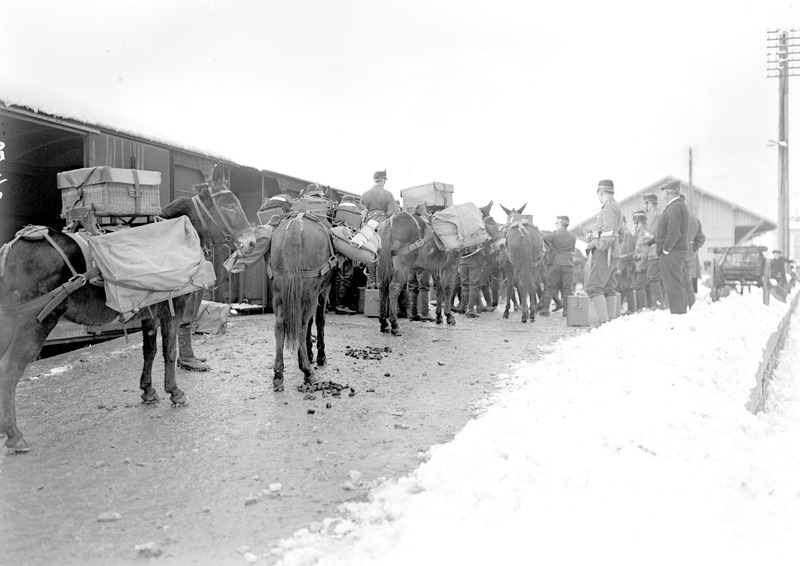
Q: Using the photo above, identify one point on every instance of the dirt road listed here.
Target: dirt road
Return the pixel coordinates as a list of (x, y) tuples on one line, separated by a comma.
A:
[(111, 481)]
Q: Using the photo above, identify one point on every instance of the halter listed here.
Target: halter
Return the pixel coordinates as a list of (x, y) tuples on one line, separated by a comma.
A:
[(201, 208)]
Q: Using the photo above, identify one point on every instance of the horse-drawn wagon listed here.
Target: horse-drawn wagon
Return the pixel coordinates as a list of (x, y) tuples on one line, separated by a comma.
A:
[(739, 267)]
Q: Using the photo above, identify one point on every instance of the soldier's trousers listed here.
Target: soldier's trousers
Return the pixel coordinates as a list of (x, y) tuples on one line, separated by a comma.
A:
[(672, 267), (654, 281), (643, 298), (601, 275), (470, 272), (558, 277), (687, 278)]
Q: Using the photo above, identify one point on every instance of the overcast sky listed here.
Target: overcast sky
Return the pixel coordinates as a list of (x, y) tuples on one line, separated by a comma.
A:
[(511, 100)]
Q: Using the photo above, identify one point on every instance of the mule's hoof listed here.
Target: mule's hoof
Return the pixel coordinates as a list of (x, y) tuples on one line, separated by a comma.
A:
[(150, 398), (322, 361), (179, 399), (505, 315), (17, 446), (385, 329), (277, 384)]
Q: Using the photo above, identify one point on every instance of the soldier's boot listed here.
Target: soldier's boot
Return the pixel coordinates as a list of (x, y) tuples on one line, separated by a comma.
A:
[(630, 299), (611, 307), (658, 295), (544, 306), (600, 308), (413, 302), (342, 296), (186, 357), (641, 299), (425, 306), (473, 301)]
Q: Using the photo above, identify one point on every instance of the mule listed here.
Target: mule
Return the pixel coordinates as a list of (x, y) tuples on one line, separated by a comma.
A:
[(35, 271), (406, 243), (524, 253), (301, 262)]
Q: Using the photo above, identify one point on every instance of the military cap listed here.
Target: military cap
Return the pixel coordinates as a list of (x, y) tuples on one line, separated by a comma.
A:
[(606, 185), (674, 186), (380, 175), (639, 215), (777, 252), (564, 219), (650, 197)]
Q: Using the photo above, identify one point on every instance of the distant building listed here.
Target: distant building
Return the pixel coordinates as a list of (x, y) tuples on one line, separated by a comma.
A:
[(725, 223)]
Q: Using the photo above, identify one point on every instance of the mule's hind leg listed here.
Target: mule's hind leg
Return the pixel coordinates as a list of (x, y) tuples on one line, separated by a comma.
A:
[(280, 333), (149, 330), (22, 342), (303, 359), (320, 322), (169, 345)]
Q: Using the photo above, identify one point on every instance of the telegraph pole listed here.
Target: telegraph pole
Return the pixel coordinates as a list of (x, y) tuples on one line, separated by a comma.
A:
[(783, 56), (690, 200)]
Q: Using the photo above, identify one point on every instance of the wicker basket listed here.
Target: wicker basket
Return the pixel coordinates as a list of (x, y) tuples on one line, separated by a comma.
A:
[(111, 192)]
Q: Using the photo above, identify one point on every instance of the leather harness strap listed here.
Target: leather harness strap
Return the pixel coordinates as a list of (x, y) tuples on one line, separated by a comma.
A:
[(414, 245), (313, 272)]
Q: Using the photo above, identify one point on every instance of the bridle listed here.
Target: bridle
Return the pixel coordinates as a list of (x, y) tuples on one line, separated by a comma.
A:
[(228, 232)]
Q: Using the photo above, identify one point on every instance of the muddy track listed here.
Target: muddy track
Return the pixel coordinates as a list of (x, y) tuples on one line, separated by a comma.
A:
[(111, 481)]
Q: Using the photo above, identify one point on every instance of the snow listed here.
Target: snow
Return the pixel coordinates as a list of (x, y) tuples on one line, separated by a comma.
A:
[(628, 444)]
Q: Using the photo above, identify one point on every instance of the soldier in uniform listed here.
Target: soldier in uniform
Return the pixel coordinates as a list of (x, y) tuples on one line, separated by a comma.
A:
[(672, 246), (560, 245), (604, 248), (692, 268), (626, 274), (380, 205), (379, 202), (653, 266), (644, 297)]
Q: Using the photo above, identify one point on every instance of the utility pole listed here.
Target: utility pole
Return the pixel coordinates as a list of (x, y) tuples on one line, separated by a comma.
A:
[(783, 58), (690, 200)]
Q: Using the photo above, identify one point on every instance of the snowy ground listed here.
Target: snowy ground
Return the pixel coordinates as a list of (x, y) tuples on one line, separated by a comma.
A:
[(629, 444)]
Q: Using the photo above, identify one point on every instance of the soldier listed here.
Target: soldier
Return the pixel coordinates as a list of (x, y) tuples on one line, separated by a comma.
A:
[(653, 266), (560, 245), (186, 356), (604, 249), (672, 246), (379, 202), (626, 274), (692, 268), (644, 297), (380, 205)]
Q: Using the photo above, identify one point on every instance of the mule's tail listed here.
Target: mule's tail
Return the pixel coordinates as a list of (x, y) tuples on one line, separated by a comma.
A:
[(292, 259), (385, 264)]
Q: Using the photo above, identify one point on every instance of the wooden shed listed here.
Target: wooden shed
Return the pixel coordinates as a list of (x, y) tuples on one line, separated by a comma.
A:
[(724, 222)]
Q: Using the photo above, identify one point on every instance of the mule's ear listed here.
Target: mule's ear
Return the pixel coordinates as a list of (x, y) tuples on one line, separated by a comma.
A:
[(508, 212), (522, 208), (217, 178)]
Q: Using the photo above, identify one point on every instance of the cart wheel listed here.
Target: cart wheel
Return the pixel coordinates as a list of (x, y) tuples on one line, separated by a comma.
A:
[(765, 284), (714, 288)]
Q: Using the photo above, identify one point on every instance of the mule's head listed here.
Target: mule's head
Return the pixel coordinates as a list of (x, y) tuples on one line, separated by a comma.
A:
[(487, 210), (513, 213), (227, 216)]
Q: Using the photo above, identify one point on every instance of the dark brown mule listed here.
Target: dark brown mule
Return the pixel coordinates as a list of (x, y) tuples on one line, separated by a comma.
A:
[(301, 260), (406, 242), (524, 251), (34, 268)]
